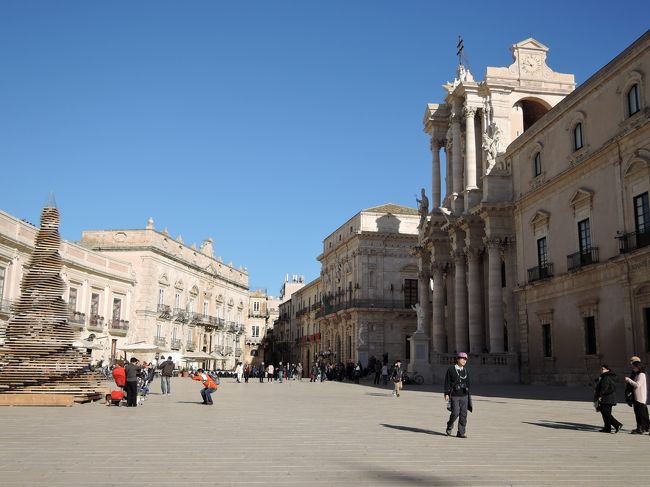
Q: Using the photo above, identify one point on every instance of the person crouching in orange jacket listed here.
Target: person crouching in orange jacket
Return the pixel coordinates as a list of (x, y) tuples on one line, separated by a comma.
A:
[(209, 386)]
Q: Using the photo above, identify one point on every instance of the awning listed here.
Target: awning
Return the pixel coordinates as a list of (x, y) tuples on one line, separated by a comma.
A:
[(189, 356)]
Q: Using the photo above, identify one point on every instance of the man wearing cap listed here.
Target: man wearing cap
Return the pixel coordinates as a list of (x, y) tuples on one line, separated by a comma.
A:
[(458, 395)]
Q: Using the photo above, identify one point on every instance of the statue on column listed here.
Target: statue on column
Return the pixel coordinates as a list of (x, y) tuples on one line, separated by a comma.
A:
[(418, 310), (360, 337), (423, 207), (491, 141)]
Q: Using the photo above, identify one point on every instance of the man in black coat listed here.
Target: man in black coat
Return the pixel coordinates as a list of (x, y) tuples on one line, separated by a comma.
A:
[(605, 398), (457, 395)]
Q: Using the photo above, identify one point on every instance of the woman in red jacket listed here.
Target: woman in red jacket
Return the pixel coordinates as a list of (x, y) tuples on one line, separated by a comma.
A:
[(209, 386)]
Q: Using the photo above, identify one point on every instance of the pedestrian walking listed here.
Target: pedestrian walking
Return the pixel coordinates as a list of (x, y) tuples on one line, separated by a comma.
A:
[(637, 381), (239, 371), (377, 372), (457, 395), (209, 386), (261, 372), (247, 373), (280, 372), (384, 374), (605, 399), (299, 370), (397, 375), (166, 373), (357, 372), (269, 373)]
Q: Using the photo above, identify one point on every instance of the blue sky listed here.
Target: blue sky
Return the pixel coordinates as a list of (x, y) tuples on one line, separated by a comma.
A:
[(264, 124)]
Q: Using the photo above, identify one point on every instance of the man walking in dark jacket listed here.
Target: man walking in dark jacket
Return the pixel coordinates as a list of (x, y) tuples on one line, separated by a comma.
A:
[(457, 395), (167, 370), (605, 399)]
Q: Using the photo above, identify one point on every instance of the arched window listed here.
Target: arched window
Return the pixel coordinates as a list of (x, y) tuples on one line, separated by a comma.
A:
[(577, 137), (633, 104), (537, 164)]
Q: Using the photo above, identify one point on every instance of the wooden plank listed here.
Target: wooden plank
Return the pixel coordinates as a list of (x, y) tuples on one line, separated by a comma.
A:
[(36, 400)]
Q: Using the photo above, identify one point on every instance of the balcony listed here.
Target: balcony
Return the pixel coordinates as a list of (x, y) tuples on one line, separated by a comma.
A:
[(77, 319), (5, 307), (540, 272), (629, 242), (326, 309), (200, 319), (253, 340), (238, 352), (96, 323), (227, 350), (118, 327), (581, 259), (164, 312), (160, 341), (175, 344), (190, 346), (180, 315)]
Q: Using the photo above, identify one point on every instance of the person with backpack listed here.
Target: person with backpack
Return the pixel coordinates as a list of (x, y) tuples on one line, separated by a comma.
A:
[(209, 386)]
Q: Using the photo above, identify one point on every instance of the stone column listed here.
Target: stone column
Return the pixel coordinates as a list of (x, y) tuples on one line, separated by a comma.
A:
[(475, 317), (438, 320), (460, 302), (494, 295), (448, 173), (470, 149), (435, 174), (456, 161)]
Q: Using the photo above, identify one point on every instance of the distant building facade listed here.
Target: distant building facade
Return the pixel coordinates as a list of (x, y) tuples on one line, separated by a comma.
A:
[(263, 311), (368, 285), (186, 300), (99, 288)]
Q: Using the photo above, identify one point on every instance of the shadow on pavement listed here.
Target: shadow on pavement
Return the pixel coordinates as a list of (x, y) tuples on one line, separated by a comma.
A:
[(562, 425), (413, 430), (384, 476), (388, 394)]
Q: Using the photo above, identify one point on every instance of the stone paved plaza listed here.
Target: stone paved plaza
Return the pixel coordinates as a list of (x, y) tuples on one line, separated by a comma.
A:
[(298, 433)]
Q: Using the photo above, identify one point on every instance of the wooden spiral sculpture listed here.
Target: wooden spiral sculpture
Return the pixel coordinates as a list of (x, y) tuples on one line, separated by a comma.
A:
[(37, 357)]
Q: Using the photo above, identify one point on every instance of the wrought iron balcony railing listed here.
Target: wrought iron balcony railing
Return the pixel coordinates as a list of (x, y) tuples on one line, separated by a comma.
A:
[(540, 272), (361, 303), (164, 312), (633, 241), (180, 315), (161, 341), (582, 258), (190, 346), (227, 351), (175, 344), (77, 318), (96, 322)]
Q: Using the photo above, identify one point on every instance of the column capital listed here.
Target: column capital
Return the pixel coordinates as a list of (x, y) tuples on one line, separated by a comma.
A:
[(493, 243), (436, 143), (468, 111), (439, 267)]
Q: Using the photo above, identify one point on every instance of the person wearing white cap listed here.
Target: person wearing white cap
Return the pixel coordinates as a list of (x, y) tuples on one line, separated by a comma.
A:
[(457, 395)]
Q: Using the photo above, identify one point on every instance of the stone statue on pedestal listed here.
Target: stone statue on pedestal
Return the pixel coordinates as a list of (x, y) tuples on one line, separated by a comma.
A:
[(420, 315)]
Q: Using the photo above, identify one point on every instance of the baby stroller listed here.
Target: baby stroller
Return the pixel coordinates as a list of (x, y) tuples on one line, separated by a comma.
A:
[(144, 379)]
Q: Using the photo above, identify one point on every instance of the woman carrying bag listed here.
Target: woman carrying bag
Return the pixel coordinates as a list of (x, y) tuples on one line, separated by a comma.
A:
[(605, 399), (637, 380)]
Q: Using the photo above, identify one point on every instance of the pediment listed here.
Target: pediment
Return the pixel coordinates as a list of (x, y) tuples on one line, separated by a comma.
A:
[(581, 196), (639, 161), (164, 280), (530, 43), (541, 217), (179, 285)]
